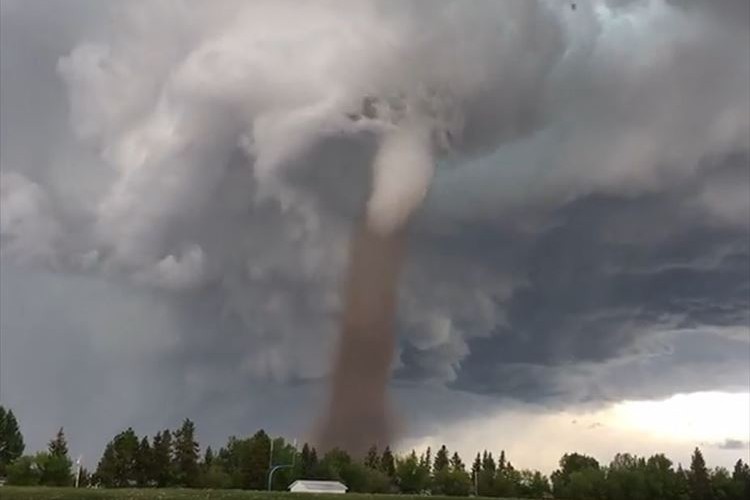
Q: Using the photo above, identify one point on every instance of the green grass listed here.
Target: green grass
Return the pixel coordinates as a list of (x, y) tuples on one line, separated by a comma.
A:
[(44, 493), (48, 493)]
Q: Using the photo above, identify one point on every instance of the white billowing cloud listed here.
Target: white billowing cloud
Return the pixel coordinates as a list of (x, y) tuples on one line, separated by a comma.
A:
[(600, 100), (630, 114), (27, 225), (183, 272), (202, 116)]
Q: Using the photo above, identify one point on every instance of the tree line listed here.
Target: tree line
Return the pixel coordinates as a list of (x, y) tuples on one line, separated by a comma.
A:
[(174, 459)]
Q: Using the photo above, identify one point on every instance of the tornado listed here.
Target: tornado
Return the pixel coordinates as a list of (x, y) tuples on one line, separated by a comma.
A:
[(358, 414)]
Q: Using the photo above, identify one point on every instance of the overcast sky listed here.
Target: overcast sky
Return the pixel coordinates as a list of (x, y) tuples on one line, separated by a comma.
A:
[(178, 181)]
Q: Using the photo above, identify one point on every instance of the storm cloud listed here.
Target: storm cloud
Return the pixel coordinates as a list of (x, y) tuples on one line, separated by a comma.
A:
[(178, 183)]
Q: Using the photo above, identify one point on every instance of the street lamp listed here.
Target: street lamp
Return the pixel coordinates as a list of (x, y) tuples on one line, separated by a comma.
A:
[(273, 468)]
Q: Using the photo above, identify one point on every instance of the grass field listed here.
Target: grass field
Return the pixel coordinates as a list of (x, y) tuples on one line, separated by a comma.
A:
[(43, 493)]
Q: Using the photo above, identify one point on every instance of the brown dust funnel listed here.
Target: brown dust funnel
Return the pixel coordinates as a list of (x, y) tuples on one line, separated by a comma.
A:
[(358, 414)]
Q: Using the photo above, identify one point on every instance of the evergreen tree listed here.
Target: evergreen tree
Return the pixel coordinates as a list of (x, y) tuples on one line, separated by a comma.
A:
[(488, 462), (449, 480), (143, 463), (426, 460), (682, 486), (372, 459), (84, 478), (106, 471), (476, 467), (118, 467), (700, 482), (741, 480), (186, 454), (387, 464), (456, 462), (308, 462), (485, 482), (507, 480), (11, 440), (441, 460), (161, 459), (58, 447), (741, 471), (319, 471), (306, 465), (257, 460), (55, 464), (247, 461), (208, 458)]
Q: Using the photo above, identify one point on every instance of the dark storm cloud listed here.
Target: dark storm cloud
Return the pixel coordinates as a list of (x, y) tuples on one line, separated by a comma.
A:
[(600, 285), (734, 444), (586, 238)]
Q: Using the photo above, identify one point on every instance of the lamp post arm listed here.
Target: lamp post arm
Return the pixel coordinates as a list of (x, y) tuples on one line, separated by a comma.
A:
[(274, 469)]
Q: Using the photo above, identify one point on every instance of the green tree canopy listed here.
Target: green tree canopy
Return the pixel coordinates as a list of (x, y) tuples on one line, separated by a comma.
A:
[(569, 465), (387, 463), (456, 462), (700, 482), (161, 459), (186, 453), (451, 482), (372, 459), (411, 473), (119, 467), (55, 464), (24, 471), (58, 447), (143, 463), (11, 440), (247, 460), (441, 459)]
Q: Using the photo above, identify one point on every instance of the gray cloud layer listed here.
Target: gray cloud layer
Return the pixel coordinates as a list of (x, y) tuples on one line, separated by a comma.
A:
[(178, 183)]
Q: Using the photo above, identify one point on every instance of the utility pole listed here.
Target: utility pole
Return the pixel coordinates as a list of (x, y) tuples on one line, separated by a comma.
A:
[(78, 470), (270, 454)]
